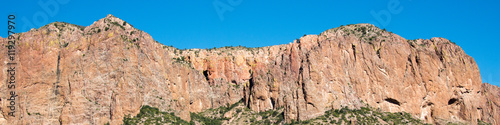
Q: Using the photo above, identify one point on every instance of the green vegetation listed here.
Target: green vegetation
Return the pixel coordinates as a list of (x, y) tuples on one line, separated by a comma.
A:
[(364, 115), (479, 122), (240, 114), (150, 115), (133, 41), (116, 24), (64, 45), (180, 60), (365, 32), (93, 30), (183, 61), (233, 48), (206, 120), (453, 42), (79, 27)]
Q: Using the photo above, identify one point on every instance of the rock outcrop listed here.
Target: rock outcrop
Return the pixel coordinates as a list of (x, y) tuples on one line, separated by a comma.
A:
[(67, 74)]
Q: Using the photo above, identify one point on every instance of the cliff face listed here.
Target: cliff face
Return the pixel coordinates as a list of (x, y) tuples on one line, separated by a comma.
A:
[(100, 73)]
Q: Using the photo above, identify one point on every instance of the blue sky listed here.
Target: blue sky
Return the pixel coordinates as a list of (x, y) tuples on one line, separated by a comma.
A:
[(202, 24)]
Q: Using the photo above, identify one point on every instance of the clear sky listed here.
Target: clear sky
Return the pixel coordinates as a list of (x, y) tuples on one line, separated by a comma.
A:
[(474, 25)]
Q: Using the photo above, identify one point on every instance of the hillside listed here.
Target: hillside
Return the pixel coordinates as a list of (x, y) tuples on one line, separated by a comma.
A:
[(102, 73)]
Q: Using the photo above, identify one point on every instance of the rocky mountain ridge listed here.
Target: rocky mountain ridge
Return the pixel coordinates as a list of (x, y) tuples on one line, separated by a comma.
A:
[(98, 74)]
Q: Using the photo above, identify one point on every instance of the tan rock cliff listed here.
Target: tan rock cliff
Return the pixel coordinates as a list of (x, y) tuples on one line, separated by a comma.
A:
[(97, 74)]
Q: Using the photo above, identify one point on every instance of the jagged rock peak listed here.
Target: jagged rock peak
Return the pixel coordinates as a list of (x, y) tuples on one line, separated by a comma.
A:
[(110, 16), (109, 22)]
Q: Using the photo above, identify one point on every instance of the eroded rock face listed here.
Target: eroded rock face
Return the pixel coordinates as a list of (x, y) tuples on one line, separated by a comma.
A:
[(103, 72)]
